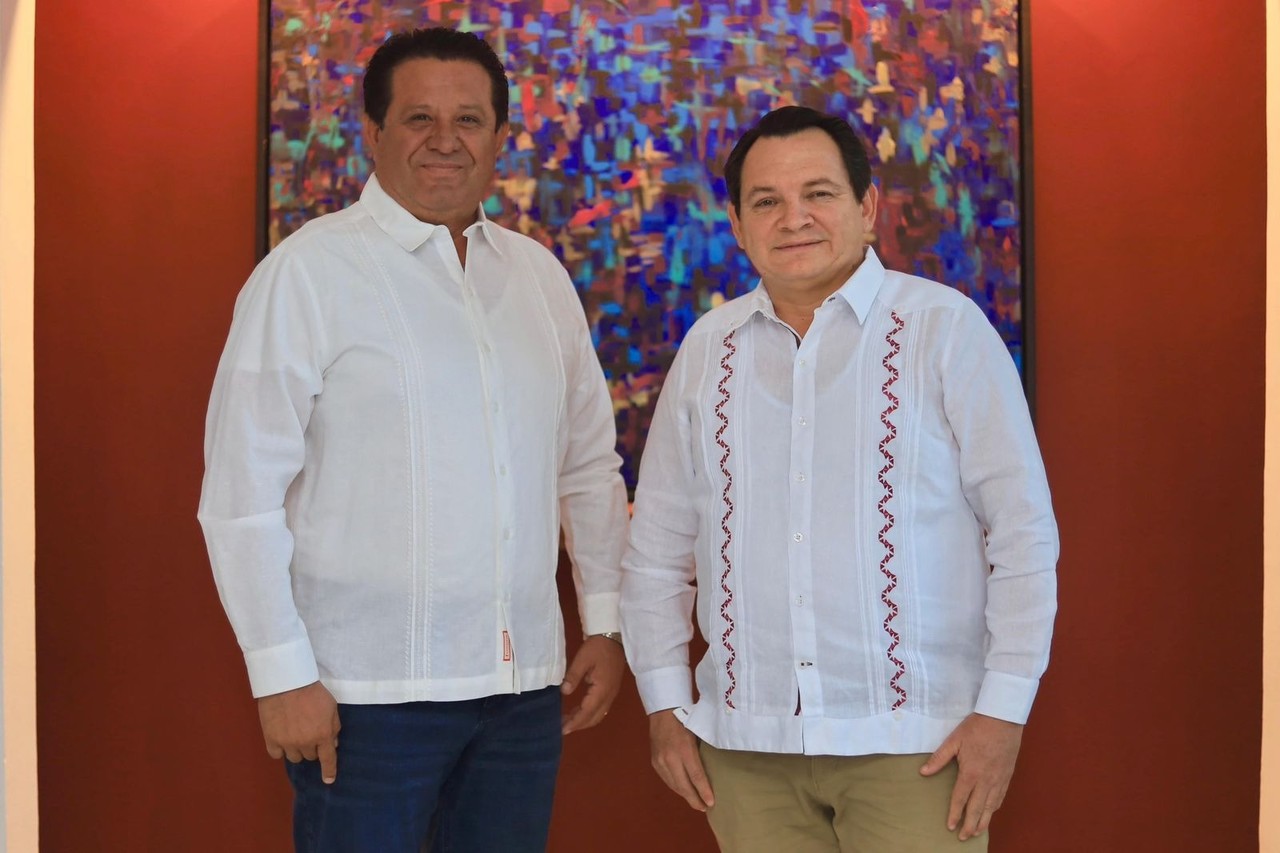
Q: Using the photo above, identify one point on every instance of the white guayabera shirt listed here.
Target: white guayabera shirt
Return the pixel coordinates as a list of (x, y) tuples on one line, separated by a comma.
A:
[(392, 445), (865, 514)]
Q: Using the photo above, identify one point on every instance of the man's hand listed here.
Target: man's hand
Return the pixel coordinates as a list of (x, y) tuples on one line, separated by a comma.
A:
[(599, 664), (986, 749), (673, 749), (302, 724)]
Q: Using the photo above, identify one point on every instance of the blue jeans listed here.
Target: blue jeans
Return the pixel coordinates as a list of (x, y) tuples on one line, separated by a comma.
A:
[(448, 777)]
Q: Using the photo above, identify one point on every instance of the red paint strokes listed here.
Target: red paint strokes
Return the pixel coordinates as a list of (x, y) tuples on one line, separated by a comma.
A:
[(859, 26), (891, 579), (932, 42), (859, 21), (588, 215), (528, 100), (726, 365), (910, 71)]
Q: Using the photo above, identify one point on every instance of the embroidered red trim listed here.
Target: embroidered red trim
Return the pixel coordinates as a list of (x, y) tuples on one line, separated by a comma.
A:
[(722, 387), (891, 432)]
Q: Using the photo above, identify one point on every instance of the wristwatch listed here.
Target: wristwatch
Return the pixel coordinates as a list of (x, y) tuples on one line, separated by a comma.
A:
[(616, 636)]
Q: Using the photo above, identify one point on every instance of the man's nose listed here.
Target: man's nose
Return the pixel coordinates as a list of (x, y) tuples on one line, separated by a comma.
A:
[(795, 216), (443, 138)]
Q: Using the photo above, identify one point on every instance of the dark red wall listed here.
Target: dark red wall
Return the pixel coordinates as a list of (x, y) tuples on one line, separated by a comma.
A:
[(1149, 217)]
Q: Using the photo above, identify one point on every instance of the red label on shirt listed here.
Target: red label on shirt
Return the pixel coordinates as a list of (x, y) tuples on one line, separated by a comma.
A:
[(506, 647)]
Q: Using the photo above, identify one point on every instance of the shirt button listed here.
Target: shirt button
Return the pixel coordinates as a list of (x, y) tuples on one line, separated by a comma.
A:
[(803, 421), (495, 406), (502, 469), (799, 537), (799, 601), (803, 362), (897, 715), (799, 478), (804, 664), (507, 533), (488, 348)]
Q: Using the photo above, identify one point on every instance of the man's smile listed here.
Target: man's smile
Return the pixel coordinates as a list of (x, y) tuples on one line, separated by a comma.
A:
[(796, 245)]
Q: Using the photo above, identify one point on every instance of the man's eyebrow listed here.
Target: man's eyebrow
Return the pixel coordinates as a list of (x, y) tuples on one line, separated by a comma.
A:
[(816, 182), (476, 107), (759, 190)]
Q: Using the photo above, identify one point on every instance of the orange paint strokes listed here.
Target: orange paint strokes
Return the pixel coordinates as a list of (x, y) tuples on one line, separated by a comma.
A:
[(590, 214)]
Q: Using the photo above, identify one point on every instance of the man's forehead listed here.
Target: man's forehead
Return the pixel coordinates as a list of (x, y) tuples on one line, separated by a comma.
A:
[(416, 70), (415, 101), (810, 156)]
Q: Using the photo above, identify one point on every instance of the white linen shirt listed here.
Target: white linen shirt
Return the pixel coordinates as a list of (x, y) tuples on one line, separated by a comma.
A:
[(865, 514), (392, 443)]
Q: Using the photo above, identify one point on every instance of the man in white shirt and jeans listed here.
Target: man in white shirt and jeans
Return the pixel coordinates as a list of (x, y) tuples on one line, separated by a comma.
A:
[(843, 466), (408, 410)]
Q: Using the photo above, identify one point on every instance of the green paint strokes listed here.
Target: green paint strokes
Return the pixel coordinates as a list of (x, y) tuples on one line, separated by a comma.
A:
[(677, 271), (918, 151), (861, 81), (941, 194), (333, 140), (966, 212)]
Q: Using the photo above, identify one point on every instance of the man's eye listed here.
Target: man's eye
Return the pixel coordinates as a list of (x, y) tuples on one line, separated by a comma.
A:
[(764, 202), (469, 120)]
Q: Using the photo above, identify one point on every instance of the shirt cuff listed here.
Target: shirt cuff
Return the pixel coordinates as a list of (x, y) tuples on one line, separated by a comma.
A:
[(1007, 697), (660, 689), (600, 613), (281, 668)]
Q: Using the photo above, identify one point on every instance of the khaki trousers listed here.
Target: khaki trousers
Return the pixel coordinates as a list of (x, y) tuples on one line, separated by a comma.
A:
[(779, 803)]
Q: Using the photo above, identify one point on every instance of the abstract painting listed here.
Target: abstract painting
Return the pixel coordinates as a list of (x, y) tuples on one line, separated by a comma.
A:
[(623, 112)]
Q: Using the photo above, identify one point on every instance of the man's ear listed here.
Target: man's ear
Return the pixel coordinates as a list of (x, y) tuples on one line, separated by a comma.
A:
[(503, 131), (735, 224), (869, 203), (372, 133)]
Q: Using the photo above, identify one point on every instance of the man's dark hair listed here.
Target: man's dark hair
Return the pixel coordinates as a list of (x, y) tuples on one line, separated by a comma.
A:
[(786, 121), (430, 43)]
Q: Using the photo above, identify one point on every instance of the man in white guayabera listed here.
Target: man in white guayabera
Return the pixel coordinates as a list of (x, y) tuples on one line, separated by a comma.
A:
[(843, 465), (407, 412)]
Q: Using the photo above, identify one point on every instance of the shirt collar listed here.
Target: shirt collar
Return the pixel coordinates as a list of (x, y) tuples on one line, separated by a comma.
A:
[(859, 291), (407, 230), (743, 309), (861, 288)]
